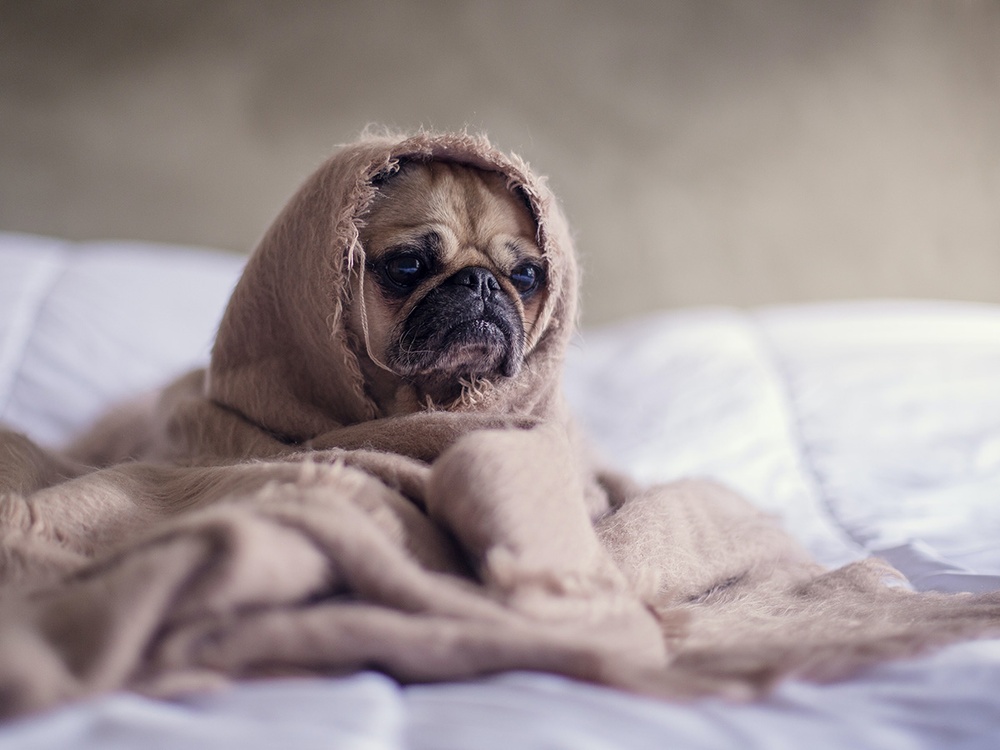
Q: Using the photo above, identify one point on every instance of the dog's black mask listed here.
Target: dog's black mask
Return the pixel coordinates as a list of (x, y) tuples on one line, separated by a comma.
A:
[(467, 325)]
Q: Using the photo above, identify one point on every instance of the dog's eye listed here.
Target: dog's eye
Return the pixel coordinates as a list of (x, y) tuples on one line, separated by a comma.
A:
[(526, 278), (405, 270)]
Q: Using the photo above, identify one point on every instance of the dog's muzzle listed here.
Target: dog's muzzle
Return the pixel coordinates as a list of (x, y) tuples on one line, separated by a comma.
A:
[(468, 325)]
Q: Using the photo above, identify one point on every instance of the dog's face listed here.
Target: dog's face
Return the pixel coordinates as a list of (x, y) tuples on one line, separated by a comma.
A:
[(455, 279)]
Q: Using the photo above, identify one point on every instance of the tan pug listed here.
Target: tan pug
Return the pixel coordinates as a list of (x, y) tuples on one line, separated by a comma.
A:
[(453, 282)]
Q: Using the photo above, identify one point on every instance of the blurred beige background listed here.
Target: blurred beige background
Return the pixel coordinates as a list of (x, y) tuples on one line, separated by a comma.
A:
[(707, 152)]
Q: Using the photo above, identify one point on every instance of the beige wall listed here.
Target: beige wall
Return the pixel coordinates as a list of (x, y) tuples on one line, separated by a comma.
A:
[(707, 152)]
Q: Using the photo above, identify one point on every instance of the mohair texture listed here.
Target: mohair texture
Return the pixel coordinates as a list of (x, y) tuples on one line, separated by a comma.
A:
[(264, 517)]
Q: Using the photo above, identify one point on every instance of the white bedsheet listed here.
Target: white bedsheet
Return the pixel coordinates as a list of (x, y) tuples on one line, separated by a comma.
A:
[(867, 427)]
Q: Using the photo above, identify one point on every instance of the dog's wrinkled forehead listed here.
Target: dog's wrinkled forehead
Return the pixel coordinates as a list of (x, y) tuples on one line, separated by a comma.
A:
[(428, 174), (470, 205)]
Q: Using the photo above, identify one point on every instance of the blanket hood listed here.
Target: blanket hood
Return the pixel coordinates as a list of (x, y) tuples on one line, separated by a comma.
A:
[(283, 358)]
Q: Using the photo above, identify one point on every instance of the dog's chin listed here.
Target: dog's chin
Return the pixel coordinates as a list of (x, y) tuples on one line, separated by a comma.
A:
[(477, 348), (440, 360)]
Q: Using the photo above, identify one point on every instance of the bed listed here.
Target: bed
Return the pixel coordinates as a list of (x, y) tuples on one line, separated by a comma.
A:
[(868, 427)]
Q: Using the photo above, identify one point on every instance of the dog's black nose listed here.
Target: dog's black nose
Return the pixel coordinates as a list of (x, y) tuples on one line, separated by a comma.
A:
[(479, 280)]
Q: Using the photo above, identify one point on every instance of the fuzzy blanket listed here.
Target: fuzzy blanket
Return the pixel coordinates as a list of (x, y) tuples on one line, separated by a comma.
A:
[(264, 517)]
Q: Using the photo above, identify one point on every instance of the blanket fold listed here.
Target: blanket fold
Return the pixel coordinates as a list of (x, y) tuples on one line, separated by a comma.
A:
[(267, 516)]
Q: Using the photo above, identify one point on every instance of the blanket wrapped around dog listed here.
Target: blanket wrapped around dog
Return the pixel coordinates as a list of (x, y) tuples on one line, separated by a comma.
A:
[(265, 517)]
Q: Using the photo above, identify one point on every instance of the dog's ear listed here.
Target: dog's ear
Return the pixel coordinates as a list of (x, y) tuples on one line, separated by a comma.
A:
[(388, 172)]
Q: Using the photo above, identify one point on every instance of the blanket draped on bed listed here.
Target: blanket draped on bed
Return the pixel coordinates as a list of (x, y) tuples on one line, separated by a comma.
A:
[(265, 517)]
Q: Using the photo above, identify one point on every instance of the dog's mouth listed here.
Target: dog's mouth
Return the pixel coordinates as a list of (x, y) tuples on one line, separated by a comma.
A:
[(476, 347), (447, 338)]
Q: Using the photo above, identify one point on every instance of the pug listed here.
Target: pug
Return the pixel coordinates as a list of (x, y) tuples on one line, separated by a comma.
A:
[(452, 283)]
